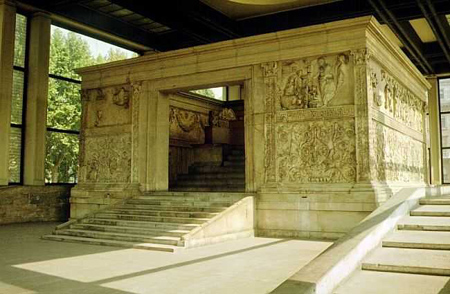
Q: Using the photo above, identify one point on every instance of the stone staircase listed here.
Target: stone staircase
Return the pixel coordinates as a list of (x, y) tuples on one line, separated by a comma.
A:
[(415, 258), (155, 222), (230, 176)]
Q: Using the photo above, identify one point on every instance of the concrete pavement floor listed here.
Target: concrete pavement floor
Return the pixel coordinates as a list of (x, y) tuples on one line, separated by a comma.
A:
[(253, 265)]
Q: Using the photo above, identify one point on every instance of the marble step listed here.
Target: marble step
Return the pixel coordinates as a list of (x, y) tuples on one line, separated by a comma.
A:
[(130, 230), (119, 236), (167, 203), (418, 240), (173, 208), (140, 224), (231, 188), (190, 195), (371, 282), (236, 158), (410, 261), (435, 201), (424, 223), (162, 213), (181, 220), (217, 169), (237, 152), (432, 210), (91, 241), (233, 163), (209, 182), (212, 176)]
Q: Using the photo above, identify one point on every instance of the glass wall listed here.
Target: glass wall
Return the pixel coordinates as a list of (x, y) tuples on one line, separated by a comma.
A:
[(444, 104), (18, 100), (69, 51)]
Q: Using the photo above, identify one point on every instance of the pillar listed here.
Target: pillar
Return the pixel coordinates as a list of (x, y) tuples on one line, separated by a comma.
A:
[(7, 29), (37, 92), (435, 136)]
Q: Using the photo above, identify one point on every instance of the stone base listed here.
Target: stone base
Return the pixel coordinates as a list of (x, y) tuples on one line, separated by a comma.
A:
[(319, 211), (86, 198)]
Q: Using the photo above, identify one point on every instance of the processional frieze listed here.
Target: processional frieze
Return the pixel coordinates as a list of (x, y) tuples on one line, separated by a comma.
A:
[(393, 99), (398, 157)]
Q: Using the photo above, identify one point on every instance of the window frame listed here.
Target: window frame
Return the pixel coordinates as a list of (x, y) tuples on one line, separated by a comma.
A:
[(440, 127), (24, 70)]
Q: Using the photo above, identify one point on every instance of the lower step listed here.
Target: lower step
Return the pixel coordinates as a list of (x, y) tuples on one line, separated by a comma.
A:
[(235, 188), (130, 230), (410, 261), (146, 246), (119, 236)]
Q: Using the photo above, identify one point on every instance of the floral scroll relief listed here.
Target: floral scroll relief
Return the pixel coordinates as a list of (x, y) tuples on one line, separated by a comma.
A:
[(316, 152)]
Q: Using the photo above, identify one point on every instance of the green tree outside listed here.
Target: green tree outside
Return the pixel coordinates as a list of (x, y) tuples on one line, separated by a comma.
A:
[(68, 51)]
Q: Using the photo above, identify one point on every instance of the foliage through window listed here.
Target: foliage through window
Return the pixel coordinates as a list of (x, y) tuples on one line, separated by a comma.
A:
[(69, 51), (218, 93)]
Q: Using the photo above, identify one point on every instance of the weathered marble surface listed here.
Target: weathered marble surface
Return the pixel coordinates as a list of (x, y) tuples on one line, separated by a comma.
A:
[(334, 121)]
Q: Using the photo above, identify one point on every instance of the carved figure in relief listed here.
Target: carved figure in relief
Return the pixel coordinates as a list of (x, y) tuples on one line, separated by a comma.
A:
[(326, 81), (98, 117), (121, 98), (313, 83)]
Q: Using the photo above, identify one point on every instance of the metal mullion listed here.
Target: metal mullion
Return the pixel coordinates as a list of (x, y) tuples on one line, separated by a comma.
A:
[(70, 80), (63, 131)]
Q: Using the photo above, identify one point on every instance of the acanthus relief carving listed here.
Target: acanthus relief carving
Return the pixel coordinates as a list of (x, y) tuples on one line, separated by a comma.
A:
[(107, 159), (316, 152), (187, 126), (316, 82), (398, 157), (393, 99)]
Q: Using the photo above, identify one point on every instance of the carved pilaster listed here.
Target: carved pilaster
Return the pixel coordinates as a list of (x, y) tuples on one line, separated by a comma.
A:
[(361, 59), (270, 73), (136, 91), (82, 144)]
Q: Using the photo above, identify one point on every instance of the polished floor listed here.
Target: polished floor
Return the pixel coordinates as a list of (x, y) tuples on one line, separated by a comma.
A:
[(255, 265)]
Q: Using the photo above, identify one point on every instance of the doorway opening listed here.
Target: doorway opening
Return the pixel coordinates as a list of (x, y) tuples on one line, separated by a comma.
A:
[(206, 143)]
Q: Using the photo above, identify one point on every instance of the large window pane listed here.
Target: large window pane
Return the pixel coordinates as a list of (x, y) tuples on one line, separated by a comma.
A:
[(444, 94), (61, 162), (446, 165), (69, 50), (15, 156), (17, 97), (64, 105), (20, 41)]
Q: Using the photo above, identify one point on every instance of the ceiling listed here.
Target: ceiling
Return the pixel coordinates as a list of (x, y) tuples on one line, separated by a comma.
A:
[(420, 27)]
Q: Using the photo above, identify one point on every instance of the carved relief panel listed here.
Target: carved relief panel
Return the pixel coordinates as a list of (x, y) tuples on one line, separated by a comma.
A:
[(309, 120), (316, 151), (107, 159), (187, 126), (325, 81), (109, 106), (394, 100), (398, 157)]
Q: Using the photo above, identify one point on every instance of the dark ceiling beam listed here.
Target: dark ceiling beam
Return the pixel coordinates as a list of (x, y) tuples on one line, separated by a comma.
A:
[(339, 10), (405, 33), (439, 25), (101, 22), (191, 17)]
